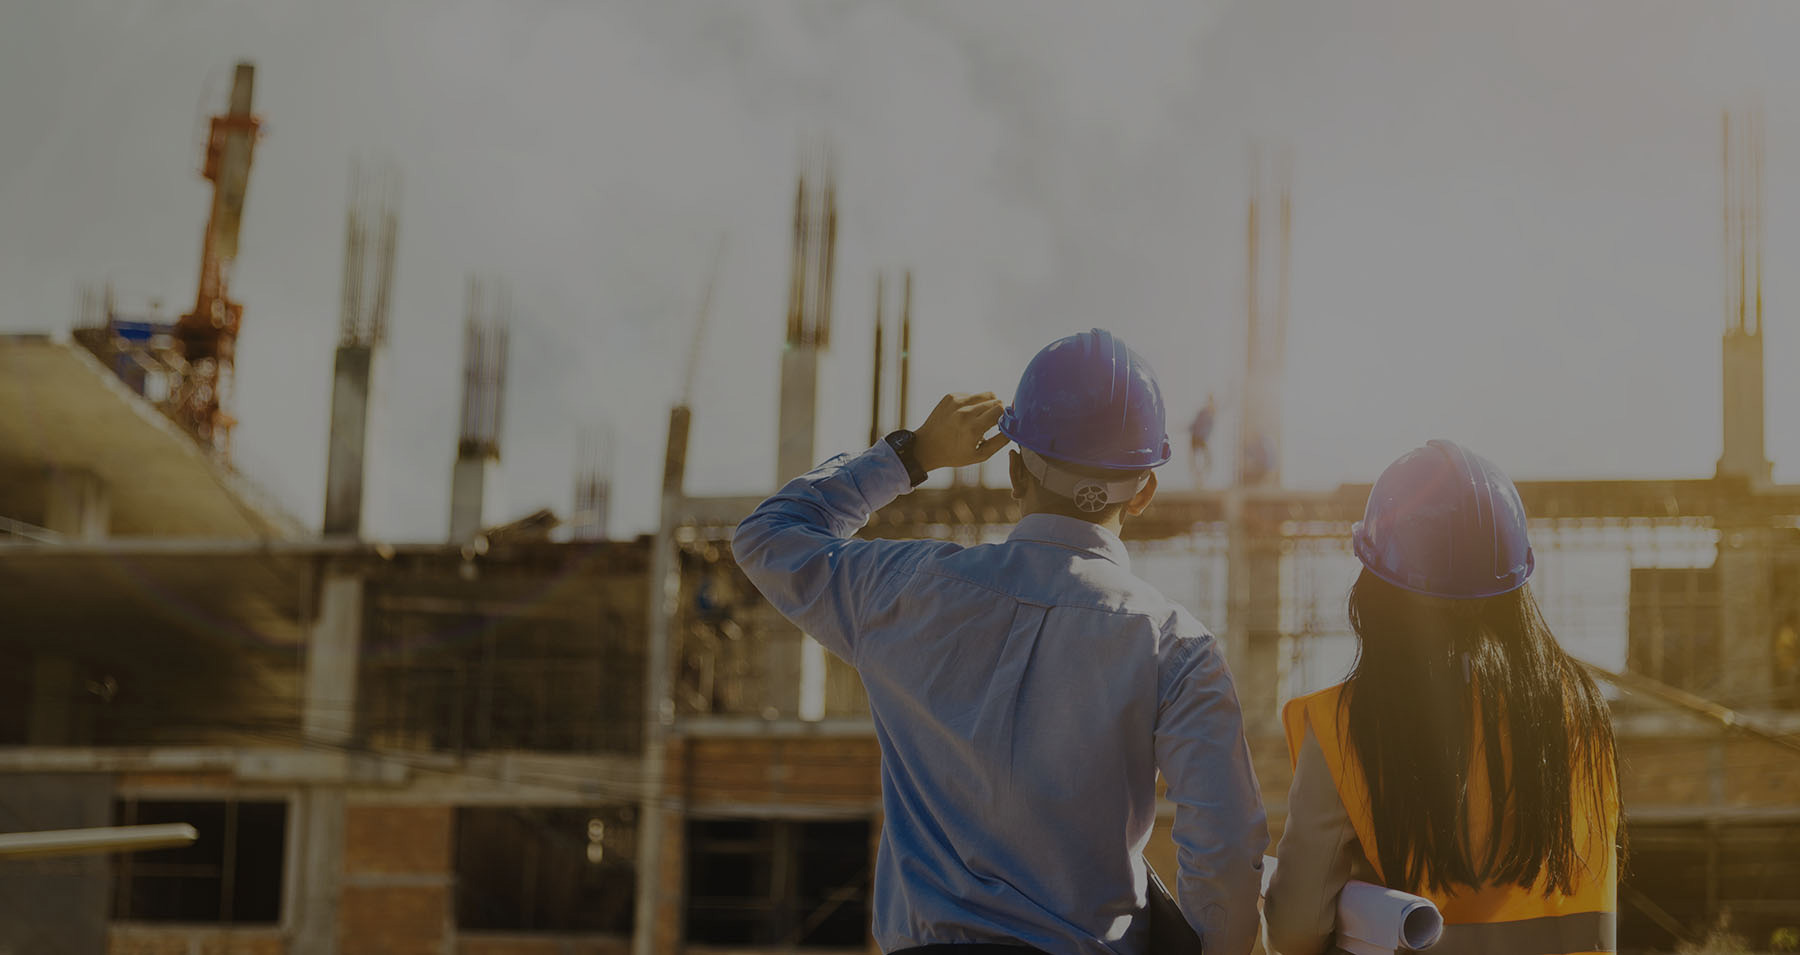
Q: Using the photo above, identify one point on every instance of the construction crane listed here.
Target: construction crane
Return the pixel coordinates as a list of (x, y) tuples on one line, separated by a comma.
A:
[(207, 336)]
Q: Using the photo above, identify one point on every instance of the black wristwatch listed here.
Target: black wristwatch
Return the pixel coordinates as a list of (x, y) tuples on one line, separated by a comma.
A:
[(903, 442)]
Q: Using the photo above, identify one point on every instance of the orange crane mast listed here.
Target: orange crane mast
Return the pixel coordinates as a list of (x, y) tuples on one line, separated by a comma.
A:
[(208, 335)]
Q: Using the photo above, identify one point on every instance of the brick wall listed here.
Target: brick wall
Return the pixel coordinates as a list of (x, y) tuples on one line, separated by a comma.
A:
[(832, 771), (397, 840), (398, 881), (671, 890)]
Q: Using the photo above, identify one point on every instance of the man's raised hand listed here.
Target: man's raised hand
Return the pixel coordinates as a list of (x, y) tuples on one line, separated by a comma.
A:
[(955, 434)]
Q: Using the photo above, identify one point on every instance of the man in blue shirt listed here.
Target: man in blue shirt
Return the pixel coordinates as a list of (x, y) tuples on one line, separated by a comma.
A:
[(1025, 694)]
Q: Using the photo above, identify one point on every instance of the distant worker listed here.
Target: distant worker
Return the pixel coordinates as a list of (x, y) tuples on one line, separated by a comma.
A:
[(1026, 693), (1468, 758), (1199, 438)]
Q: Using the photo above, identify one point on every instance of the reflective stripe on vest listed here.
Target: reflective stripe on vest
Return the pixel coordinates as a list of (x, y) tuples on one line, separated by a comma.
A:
[(1581, 932), (1522, 921)]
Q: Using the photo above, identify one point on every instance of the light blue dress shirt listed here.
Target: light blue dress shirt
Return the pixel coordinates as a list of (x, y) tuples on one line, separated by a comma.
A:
[(1024, 696)]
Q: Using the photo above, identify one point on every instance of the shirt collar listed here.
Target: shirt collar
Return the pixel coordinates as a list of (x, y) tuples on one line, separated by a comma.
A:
[(1073, 533)]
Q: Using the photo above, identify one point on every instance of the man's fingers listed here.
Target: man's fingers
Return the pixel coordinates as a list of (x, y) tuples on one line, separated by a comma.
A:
[(989, 414), (989, 446), (952, 435)]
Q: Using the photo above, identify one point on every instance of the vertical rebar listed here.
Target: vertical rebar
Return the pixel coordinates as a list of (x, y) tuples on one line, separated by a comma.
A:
[(797, 277), (901, 409), (875, 400)]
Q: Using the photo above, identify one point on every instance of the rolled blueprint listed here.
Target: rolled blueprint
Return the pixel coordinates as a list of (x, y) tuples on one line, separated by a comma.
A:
[(1373, 920)]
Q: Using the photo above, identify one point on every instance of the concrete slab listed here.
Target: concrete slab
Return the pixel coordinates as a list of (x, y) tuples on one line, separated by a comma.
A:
[(60, 409)]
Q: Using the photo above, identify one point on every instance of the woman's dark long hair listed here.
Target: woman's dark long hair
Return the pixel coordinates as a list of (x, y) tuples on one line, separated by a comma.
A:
[(1431, 675)]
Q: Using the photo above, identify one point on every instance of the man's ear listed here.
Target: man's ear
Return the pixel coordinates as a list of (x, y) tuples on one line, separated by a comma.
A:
[(1141, 499), (1015, 469)]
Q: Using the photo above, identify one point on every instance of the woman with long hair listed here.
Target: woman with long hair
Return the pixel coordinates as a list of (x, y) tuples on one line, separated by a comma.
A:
[(1468, 758)]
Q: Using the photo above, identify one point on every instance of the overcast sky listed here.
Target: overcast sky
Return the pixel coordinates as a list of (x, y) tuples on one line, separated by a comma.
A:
[(1506, 224)]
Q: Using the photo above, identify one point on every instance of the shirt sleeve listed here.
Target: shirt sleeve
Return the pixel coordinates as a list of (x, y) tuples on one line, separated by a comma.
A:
[(1220, 830), (1317, 855), (796, 547)]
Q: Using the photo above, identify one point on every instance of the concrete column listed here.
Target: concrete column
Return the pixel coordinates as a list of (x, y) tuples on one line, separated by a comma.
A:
[(333, 651), (794, 681), (332, 655), (799, 412), (1746, 567), (1259, 682), (813, 694), (667, 933), (56, 906), (1253, 615), (77, 505), (659, 822), (1237, 582), (320, 843), (1259, 446), (474, 496), (344, 469), (1743, 454)]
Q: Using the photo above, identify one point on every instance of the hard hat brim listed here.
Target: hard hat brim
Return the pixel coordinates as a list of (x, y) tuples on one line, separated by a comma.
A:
[(1127, 461), (1366, 553)]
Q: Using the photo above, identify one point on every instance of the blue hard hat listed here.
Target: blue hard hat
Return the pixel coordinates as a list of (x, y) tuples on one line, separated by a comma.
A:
[(1088, 399), (1445, 522)]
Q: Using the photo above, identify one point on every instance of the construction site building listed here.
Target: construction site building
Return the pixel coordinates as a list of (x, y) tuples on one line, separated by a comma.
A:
[(505, 744), (417, 749)]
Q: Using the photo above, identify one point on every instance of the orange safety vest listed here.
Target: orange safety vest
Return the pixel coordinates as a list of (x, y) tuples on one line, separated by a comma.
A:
[(1496, 919)]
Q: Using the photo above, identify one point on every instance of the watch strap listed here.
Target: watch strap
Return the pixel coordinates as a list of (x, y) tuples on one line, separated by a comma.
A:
[(903, 442)]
